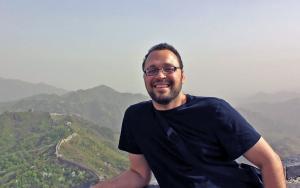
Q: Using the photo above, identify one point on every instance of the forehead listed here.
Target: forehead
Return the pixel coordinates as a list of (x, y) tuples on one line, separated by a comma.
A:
[(161, 57)]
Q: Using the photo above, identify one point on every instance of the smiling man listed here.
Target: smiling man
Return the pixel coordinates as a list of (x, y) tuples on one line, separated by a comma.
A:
[(163, 79), (189, 141)]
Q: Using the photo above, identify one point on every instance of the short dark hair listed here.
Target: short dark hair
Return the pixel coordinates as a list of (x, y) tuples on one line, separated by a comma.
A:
[(163, 46)]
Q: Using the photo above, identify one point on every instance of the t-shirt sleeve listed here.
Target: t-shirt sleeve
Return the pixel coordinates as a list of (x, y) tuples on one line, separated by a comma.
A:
[(235, 134), (127, 141)]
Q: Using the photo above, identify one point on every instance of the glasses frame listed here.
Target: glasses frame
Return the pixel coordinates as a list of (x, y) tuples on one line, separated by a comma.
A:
[(163, 70)]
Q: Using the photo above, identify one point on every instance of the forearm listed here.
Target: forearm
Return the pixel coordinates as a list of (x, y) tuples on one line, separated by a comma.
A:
[(273, 174), (128, 179)]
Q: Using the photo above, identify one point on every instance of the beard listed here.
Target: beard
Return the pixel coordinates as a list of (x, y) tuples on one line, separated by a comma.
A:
[(162, 98)]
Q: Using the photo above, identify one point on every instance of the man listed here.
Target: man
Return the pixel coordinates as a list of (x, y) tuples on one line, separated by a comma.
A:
[(188, 141)]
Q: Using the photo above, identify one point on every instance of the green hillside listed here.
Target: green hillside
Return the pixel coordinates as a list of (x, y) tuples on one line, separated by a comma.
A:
[(101, 105), (94, 147), (28, 143)]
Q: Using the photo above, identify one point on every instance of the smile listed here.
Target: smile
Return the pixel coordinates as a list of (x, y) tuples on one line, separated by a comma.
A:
[(161, 85)]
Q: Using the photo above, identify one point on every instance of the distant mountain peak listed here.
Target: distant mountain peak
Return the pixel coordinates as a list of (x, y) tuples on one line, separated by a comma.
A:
[(100, 104), (265, 97), (103, 87), (13, 89)]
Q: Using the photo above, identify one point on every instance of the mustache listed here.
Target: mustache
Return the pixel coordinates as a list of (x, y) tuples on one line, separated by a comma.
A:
[(162, 81)]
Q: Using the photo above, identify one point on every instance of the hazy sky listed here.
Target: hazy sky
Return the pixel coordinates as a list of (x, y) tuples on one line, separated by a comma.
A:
[(228, 47)]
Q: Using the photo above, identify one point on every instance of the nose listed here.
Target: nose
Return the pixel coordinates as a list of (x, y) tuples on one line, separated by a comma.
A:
[(161, 73)]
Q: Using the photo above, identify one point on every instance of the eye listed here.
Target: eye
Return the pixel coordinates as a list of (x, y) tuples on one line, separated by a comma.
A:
[(152, 71), (169, 69)]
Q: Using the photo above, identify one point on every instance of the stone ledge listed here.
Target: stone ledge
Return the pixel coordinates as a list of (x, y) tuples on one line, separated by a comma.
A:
[(292, 167)]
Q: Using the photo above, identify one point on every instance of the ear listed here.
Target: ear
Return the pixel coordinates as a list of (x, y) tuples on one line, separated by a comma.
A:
[(183, 76)]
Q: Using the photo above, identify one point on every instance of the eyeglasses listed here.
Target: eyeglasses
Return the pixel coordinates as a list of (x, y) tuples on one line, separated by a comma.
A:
[(154, 71)]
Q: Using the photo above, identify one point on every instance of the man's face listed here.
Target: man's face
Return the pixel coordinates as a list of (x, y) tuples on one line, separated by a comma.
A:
[(163, 87)]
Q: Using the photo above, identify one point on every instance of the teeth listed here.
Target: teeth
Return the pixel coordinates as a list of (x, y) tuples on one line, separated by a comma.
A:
[(161, 85)]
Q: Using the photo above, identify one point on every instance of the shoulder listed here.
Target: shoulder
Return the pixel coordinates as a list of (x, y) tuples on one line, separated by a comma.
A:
[(208, 102), (137, 113), (212, 106), (139, 107)]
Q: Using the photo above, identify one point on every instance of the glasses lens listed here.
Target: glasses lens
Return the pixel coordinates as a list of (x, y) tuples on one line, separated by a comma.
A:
[(152, 72), (169, 70)]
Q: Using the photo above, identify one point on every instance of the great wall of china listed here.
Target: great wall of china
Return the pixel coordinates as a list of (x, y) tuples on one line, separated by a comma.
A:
[(292, 166)]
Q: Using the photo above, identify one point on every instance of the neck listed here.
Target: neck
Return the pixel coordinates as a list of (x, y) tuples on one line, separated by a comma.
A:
[(178, 101)]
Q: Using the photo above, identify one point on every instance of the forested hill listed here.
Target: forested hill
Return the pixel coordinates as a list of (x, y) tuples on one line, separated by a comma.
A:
[(101, 105), (28, 144)]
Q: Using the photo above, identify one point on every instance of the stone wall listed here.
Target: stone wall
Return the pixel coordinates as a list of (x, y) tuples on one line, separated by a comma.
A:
[(292, 167)]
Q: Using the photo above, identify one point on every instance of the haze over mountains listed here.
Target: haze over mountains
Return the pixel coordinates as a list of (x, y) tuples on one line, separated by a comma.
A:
[(101, 104), (11, 89), (264, 97), (275, 115)]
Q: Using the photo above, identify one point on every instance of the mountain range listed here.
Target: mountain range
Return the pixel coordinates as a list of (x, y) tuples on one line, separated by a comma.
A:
[(96, 115), (101, 104), (11, 89), (277, 121), (264, 97)]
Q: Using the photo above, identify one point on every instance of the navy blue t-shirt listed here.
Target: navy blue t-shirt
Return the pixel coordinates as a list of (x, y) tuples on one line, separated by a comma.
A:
[(212, 131)]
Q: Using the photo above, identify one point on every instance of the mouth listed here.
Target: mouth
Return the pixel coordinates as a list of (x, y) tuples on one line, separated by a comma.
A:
[(160, 85)]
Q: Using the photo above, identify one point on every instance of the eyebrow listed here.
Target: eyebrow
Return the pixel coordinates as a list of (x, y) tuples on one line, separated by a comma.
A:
[(164, 65)]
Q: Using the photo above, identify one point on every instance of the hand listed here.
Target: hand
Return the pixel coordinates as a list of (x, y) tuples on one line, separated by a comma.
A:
[(98, 185), (101, 185)]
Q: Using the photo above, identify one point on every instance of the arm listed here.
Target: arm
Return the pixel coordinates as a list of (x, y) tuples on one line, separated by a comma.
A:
[(263, 156), (137, 176)]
